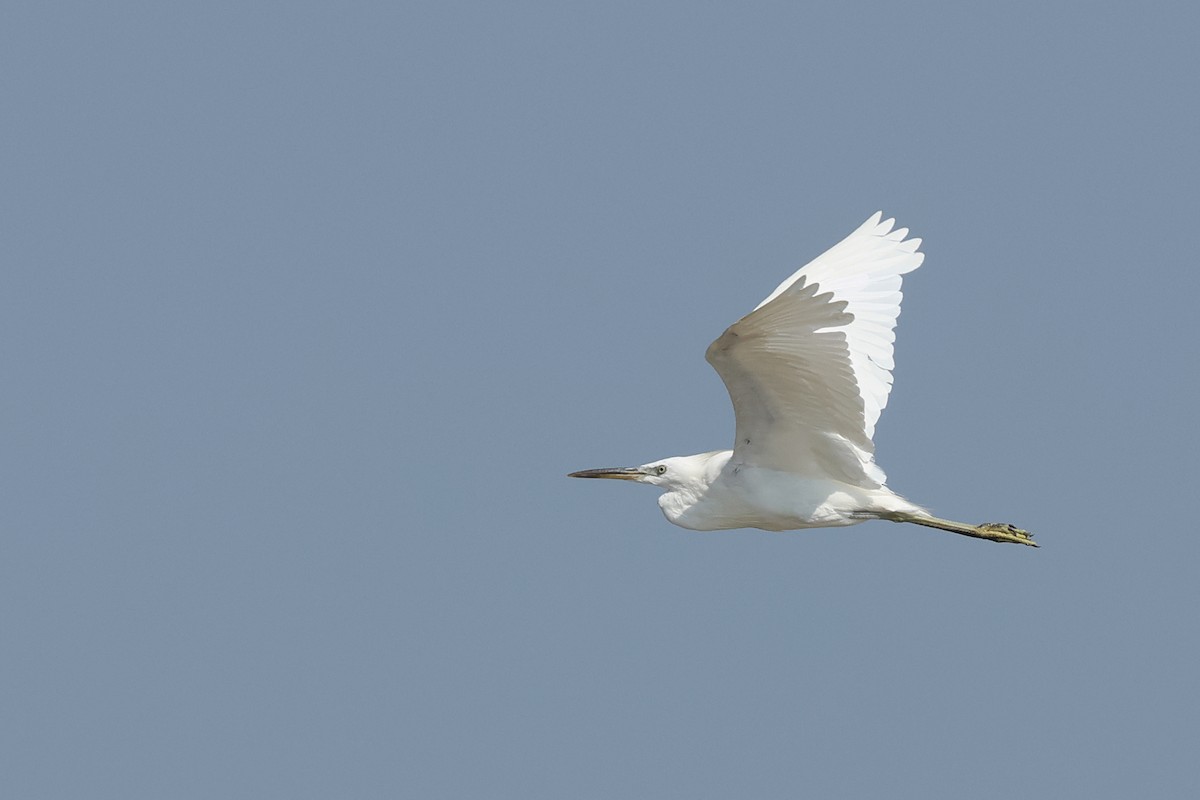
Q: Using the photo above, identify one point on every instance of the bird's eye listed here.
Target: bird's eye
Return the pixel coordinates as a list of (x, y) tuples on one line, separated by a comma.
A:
[(660, 470)]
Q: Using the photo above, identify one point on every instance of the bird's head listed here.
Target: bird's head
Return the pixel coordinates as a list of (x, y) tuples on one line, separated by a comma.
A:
[(670, 474)]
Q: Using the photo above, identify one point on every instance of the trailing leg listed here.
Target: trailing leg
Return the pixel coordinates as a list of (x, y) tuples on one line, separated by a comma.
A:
[(992, 531)]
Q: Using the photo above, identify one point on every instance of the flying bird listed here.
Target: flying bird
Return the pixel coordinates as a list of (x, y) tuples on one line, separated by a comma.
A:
[(809, 371)]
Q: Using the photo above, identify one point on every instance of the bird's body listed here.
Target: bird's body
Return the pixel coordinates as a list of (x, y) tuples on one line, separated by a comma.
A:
[(808, 371), (712, 491)]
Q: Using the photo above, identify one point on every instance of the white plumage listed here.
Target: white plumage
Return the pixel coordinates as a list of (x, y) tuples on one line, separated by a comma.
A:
[(809, 372)]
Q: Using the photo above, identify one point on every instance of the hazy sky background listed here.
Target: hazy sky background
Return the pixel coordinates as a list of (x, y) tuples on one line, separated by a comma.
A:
[(307, 309)]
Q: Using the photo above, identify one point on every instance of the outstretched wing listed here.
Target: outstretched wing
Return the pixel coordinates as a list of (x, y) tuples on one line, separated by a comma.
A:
[(809, 370)]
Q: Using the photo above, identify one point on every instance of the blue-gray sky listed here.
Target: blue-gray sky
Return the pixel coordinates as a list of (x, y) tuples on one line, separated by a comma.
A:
[(307, 309)]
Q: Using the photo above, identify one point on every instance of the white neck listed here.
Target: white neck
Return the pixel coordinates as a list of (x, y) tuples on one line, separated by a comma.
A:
[(689, 480)]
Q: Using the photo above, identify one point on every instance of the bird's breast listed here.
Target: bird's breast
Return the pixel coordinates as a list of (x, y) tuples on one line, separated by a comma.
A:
[(750, 497)]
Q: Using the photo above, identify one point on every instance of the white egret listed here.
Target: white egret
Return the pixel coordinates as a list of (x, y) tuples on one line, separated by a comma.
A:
[(808, 371)]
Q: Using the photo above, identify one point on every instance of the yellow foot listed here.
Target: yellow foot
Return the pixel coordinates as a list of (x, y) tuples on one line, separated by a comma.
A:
[(1003, 532)]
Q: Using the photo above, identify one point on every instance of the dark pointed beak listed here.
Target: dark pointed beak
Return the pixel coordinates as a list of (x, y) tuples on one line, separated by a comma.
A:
[(616, 473)]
